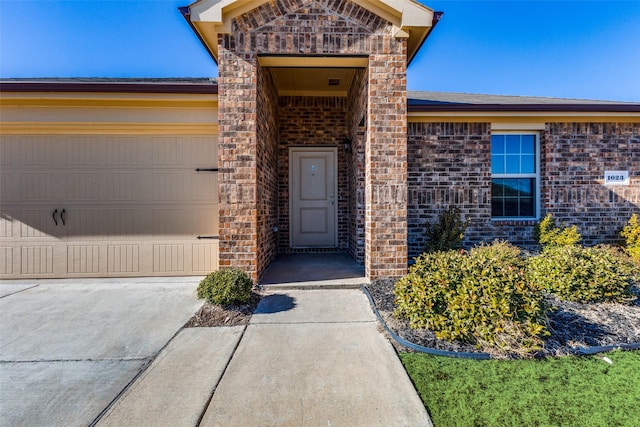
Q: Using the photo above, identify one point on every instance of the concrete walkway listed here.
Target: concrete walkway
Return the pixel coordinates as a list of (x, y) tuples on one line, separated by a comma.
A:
[(113, 352), (308, 358), (69, 347)]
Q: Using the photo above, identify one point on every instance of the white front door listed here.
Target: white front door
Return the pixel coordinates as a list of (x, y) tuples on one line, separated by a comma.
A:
[(313, 190)]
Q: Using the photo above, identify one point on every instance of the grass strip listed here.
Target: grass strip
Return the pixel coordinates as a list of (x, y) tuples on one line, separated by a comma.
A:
[(565, 391)]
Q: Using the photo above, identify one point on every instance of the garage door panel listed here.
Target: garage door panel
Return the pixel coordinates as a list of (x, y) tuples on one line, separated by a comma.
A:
[(83, 187), (204, 153), (126, 221), (6, 226), (37, 260), (122, 186), (82, 150), (83, 259), (204, 187), (166, 151), (134, 205), (123, 259), (40, 223), (168, 258), (123, 151), (6, 260), (38, 151), (204, 257), (32, 187), (169, 186)]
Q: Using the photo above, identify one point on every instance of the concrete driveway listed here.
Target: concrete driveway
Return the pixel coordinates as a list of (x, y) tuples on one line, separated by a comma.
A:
[(69, 347)]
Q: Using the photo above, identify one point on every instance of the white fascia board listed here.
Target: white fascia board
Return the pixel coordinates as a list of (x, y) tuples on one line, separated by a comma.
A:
[(413, 14), (208, 10)]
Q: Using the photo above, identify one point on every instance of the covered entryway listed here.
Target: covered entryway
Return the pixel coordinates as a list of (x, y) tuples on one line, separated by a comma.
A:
[(108, 205), (361, 47), (313, 192)]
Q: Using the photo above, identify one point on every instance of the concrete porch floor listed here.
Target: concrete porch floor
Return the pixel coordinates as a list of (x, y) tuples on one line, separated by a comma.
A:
[(301, 271)]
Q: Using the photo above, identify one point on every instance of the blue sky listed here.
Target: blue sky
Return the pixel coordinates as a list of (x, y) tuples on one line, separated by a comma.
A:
[(570, 49)]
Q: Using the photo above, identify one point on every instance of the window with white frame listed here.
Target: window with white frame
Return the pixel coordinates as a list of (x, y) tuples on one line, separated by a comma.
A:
[(514, 175)]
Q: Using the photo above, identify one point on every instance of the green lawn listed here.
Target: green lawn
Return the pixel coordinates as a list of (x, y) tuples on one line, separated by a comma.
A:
[(559, 392)]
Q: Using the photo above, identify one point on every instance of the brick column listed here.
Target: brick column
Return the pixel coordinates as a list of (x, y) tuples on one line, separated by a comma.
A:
[(386, 164), (237, 177)]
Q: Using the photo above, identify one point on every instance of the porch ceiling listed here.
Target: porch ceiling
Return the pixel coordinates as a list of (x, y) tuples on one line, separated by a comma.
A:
[(312, 81)]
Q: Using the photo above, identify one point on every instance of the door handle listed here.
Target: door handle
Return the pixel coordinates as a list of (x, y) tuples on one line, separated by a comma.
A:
[(54, 216), (62, 216)]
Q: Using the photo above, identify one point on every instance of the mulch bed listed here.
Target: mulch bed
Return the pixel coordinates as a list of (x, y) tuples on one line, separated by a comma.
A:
[(211, 315), (571, 324)]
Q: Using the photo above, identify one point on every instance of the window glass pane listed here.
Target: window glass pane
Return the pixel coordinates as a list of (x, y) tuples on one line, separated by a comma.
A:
[(527, 164), (525, 187), (526, 207), (497, 163), (513, 144), (528, 144), (497, 188), (497, 144), (513, 155), (511, 206), (513, 164), (510, 187), (497, 207)]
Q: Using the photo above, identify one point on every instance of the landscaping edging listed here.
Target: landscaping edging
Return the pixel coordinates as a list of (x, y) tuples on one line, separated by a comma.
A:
[(578, 351)]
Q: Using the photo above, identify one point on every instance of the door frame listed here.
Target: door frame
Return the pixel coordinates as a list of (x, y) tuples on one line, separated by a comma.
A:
[(314, 149)]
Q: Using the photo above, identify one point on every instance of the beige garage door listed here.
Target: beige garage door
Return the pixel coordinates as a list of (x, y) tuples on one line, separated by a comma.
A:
[(98, 206)]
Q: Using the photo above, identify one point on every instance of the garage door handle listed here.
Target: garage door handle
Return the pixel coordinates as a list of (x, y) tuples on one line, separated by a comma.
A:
[(62, 216), (54, 216)]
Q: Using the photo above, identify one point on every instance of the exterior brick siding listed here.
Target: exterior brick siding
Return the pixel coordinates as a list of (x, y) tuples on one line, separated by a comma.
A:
[(296, 27), (450, 164), (356, 123), (576, 155), (267, 169), (312, 121)]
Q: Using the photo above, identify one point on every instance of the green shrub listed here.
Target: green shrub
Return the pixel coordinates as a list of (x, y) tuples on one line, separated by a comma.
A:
[(574, 273), (631, 234), (448, 232), (547, 233), (480, 297), (226, 286)]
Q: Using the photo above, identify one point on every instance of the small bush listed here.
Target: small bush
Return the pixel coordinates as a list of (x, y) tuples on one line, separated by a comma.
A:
[(448, 232), (480, 297), (631, 234), (547, 233), (584, 275), (225, 287)]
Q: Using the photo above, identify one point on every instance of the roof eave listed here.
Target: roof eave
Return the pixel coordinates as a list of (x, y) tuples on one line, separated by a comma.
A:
[(573, 108), (185, 11), (110, 87), (436, 18)]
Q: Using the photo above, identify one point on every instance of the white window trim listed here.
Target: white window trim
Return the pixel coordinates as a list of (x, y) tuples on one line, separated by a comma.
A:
[(535, 176)]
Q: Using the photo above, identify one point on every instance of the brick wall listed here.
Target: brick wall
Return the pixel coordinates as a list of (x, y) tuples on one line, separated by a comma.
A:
[(386, 161), (296, 27), (309, 121), (266, 167), (356, 124), (237, 97), (450, 164), (576, 155)]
